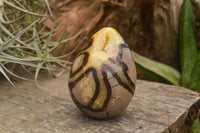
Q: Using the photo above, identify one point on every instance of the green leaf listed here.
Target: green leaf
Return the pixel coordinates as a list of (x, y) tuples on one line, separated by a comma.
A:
[(196, 127), (5, 30), (39, 66), (48, 6), (24, 10), (12, 74), (28, 18), (195, 77), (156, 70), (188, 47), (5, 75), (19, 34)]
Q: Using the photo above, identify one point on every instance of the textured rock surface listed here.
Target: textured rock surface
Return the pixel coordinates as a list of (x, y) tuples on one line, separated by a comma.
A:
[(155, 108)]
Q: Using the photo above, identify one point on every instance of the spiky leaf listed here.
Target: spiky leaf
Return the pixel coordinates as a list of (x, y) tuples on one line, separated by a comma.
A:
[(195, 77), (156, 70), (188, 47)]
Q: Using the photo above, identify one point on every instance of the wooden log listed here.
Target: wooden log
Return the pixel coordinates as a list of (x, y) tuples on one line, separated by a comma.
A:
[(155, 108)]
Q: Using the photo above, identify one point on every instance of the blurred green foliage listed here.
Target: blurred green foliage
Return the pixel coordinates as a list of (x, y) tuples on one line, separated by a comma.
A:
[(196, 127)]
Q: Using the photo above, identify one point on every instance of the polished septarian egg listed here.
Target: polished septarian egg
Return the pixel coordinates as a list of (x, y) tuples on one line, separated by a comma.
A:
[(103, 76)]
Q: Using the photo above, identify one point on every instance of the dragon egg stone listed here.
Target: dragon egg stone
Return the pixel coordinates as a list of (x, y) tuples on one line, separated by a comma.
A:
[(103, 76)]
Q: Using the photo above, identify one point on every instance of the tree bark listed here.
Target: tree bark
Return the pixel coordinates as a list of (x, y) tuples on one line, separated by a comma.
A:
[(150, 27)]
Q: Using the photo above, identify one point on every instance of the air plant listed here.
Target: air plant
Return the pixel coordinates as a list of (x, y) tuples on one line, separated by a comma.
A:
[(24, 42)]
